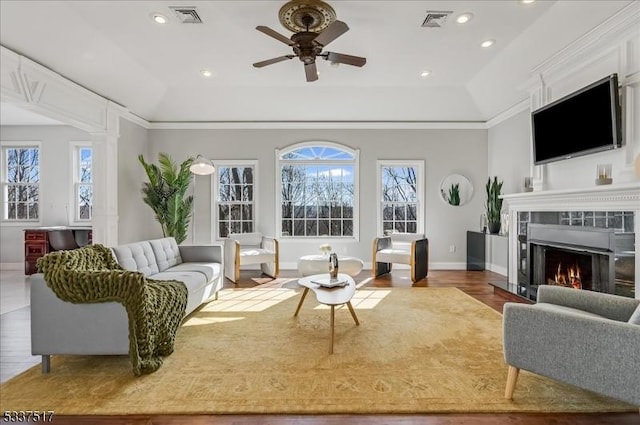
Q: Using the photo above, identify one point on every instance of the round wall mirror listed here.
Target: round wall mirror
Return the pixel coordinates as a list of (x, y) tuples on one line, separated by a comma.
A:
[(456, 189)]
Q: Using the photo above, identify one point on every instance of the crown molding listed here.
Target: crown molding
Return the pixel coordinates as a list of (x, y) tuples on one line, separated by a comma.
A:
[(320, 125)]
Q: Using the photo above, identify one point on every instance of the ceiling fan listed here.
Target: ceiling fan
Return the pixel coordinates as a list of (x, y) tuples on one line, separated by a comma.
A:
[(314, 25)]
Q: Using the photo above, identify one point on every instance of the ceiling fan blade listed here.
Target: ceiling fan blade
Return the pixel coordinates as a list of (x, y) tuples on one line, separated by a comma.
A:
[(311, 71), (332, 32), (346, 59), (275, 34), (274, 60)]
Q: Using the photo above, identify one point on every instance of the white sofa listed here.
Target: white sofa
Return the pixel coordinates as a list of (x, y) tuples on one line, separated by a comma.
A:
[(60, 327)]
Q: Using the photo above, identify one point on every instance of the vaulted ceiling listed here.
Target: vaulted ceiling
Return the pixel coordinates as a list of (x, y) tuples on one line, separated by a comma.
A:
[(115, 49)]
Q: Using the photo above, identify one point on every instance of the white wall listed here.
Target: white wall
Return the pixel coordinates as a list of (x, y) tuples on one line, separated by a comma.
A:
[(135, 218), (55, 169), (444, 152), (509, 151)]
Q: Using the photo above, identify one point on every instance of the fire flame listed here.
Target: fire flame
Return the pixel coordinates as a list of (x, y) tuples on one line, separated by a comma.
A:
[(570, 278)]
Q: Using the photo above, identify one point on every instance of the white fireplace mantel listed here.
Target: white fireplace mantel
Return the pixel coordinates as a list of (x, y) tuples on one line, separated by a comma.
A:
[(625, 197)]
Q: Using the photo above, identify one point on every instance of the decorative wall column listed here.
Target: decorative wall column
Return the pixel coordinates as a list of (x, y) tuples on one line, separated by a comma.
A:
[(105, 181)]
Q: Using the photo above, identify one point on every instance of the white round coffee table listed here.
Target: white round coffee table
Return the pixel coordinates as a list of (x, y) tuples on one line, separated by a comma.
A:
[(315, 264), (329, 296)]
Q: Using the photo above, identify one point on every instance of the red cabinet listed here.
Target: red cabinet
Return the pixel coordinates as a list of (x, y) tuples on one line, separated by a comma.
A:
[(36, 244)]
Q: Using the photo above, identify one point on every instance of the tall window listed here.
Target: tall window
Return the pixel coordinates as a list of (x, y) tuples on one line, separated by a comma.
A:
[(21, 181), (400, 196), (318, 190), (236, 190), (82, 182)]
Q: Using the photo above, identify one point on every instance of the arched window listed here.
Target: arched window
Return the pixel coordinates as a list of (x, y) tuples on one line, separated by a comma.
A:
[(318, 193)]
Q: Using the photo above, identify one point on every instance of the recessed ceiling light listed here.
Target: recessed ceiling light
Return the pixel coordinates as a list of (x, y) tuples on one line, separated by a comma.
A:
[(425, 73), (206, 73), (527, 1), (487, 43), (464, 18), (159, 18)]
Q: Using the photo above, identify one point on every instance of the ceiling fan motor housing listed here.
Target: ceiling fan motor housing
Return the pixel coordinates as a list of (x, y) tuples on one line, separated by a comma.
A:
[(305, 48)]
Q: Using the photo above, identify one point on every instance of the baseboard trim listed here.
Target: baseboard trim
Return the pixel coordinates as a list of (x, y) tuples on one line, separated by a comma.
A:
[(496, 269), (11, 266)]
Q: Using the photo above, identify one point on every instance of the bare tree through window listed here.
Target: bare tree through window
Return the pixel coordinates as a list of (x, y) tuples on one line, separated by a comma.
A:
[(22, 183), (317, 192), (236, 208), (399, 198), (84, 183)]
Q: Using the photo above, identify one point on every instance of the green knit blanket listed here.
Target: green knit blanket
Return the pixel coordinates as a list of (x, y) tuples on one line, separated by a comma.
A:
[(155, 307)]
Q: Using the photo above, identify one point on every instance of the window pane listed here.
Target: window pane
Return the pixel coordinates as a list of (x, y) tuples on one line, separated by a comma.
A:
[(311, 228), (223, 229), (223, 212), (323, 228), (412, 227), (247, 212), (298, 228), (287, 210), (286, 227), (235, 212), (336, 227), (247, 227), (347, 227)]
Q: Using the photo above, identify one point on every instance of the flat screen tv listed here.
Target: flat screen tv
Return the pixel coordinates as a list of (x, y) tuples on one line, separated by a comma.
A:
[(581, 123)]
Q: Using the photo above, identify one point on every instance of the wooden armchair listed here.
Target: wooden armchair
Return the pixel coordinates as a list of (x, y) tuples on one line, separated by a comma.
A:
[(401, 248), (243, 249)]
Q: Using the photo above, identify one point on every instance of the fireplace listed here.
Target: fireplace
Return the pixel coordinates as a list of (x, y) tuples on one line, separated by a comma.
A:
[(575, 257)]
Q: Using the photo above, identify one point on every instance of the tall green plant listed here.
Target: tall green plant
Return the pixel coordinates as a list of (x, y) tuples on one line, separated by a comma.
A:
[(166, 194), (494, 203)]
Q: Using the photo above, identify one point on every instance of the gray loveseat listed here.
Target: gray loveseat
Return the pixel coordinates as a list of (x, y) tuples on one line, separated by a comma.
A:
[(584, 338), (60, 327)]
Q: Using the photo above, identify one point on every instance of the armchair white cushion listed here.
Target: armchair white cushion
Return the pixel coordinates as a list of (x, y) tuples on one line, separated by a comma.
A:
[(242, 249), (401, 248)]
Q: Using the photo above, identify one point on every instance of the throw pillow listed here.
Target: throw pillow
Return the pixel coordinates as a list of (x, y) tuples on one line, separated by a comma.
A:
[(635, 317)]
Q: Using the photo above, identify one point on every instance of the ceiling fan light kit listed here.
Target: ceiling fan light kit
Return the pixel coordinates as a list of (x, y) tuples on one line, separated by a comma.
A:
[(314, 25)]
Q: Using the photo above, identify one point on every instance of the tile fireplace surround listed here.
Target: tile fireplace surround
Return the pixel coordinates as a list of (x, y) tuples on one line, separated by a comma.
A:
[(624, 197)]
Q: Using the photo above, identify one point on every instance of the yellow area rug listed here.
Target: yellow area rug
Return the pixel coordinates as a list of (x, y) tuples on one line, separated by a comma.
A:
[(417, 350)]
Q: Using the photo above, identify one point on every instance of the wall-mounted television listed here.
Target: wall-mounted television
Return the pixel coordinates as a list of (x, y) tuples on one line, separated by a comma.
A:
[(581, 123)]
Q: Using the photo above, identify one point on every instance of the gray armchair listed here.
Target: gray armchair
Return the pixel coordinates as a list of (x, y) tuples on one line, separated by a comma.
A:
[(583, 338), (401, 248)]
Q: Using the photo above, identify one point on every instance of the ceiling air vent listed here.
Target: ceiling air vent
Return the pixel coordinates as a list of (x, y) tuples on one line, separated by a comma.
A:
[(435, 19), (187, 14)]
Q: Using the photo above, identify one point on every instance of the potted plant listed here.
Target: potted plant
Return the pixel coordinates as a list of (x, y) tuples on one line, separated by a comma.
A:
[(165, 193), (494, 204), (454, 194)]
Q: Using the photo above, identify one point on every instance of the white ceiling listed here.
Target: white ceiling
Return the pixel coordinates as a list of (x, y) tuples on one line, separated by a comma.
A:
[(114, 49)]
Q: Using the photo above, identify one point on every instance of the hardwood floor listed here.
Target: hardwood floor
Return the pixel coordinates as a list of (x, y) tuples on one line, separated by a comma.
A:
[(15, 324)]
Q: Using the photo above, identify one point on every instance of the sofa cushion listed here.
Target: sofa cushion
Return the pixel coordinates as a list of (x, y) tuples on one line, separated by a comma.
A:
[(194, 281), (137, 257), (389, 255), (167, 252), (210, 270), (256, 256), (565, 309), (635, 317)]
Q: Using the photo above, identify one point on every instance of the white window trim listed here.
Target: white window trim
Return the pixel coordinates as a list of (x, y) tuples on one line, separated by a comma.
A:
[(216, 185), (73, 208), (3, 179), (419, 164), (356, 196)]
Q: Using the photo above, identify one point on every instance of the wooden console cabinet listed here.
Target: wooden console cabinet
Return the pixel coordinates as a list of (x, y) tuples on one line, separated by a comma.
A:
[(36, 243)]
